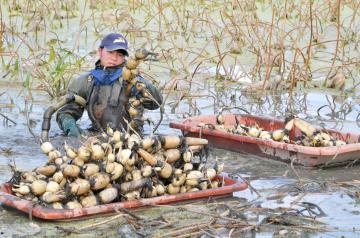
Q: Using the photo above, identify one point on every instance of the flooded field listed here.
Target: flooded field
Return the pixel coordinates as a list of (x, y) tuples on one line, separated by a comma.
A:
[(275, 187), (270, 58)]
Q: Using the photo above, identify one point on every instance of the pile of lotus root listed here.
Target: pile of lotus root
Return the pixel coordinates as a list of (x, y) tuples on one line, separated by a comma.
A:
[(117, 166), (310, 136)]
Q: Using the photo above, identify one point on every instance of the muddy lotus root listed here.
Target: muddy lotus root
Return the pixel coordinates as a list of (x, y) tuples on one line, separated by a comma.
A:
[(116, 166)]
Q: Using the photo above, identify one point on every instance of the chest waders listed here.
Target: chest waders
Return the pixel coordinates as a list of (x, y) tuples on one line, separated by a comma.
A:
[(107, 106)]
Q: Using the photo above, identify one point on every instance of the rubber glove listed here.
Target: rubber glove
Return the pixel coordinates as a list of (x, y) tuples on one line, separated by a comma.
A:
[(69, 126)]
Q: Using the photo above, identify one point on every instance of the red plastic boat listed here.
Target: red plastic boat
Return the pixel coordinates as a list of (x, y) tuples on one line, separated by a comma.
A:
[(304, 155), (42, 212)]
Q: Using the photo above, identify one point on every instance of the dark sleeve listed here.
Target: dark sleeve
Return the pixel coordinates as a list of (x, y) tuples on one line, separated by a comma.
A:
[(156, 98), (79, 87)]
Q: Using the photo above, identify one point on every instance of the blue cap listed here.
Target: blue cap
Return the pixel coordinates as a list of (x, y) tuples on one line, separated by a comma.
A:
[(115, 41)]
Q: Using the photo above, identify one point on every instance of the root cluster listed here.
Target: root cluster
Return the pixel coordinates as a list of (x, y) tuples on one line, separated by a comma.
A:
[(117, 166), (310, 136)]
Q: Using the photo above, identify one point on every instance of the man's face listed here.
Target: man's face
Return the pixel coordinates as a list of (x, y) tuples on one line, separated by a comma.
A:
[(110, 58)]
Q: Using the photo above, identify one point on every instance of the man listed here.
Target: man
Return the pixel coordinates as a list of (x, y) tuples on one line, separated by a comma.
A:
[(105, 91)]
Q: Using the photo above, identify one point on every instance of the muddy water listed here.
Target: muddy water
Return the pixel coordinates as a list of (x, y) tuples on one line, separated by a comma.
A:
[(275, 183)]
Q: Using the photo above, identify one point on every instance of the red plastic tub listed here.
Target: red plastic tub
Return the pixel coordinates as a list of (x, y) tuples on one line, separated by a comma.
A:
[(304, 155), (10, 200)]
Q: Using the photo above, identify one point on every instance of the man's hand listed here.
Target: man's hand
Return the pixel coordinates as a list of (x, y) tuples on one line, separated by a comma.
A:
[(69, 126)]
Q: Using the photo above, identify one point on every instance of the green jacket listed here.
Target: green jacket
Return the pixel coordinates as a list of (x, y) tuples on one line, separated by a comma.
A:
[(106, 104)]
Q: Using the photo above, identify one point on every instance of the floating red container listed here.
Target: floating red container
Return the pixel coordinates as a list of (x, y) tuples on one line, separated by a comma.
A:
[(304, 155)]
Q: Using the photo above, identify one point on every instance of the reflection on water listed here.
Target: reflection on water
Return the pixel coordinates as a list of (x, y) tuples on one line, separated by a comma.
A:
[(278, 187)]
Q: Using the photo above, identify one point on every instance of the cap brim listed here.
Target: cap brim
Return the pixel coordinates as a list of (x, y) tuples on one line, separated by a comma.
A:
[(117, 48)]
